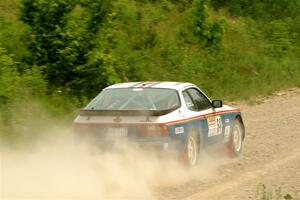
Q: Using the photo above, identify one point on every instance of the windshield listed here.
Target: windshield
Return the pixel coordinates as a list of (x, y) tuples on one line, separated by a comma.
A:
[(135, 99)]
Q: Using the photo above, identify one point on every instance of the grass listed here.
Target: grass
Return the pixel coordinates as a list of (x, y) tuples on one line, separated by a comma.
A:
[(263, 193)]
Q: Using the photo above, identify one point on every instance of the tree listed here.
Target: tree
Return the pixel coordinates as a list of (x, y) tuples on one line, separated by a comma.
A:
[(209, 32), (63, 34)]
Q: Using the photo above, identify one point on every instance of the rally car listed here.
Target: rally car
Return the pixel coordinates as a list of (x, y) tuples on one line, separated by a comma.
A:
[(170, 116)]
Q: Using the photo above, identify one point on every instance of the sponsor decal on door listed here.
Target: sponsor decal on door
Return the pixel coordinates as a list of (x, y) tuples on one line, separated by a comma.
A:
[(214, 125)]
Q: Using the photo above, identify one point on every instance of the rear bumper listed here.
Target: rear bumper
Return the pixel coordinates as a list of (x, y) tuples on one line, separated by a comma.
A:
[(162, 144)]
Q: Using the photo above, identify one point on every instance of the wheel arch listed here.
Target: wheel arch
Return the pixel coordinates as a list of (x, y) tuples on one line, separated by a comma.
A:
[(239, 118), (197, 131)]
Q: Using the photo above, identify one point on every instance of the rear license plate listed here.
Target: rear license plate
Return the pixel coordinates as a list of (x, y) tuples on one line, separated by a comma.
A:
[(117, 132)]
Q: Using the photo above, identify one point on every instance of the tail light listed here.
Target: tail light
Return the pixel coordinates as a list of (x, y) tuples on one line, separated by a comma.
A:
[(153, 130)]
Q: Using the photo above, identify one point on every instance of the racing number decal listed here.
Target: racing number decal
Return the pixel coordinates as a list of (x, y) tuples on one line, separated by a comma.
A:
[(214, 125), (219, 124)]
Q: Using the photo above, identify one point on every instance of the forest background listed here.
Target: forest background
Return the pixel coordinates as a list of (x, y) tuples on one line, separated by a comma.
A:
[(55, 55)]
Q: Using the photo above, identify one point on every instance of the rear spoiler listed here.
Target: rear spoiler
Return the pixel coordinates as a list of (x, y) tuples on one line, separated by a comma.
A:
[(85, 112)]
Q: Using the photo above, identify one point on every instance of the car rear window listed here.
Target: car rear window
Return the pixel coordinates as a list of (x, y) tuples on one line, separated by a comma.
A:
[(135, 99)]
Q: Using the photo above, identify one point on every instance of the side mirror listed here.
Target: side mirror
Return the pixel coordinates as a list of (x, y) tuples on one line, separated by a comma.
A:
[(217, 104)]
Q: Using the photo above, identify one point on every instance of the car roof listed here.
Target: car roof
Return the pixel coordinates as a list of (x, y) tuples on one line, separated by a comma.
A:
[(152, 84)]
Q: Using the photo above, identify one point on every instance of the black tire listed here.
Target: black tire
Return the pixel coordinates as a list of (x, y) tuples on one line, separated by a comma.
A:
[(191, 154), (236, 139)]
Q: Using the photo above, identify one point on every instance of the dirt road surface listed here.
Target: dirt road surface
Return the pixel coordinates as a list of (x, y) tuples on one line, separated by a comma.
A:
[(270, 164), (57, 169)]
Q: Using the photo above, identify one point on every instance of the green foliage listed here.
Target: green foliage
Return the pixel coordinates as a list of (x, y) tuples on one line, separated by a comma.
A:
[(264, 193), (279, 19), (98, 10), (47, 20), (210, 33), (62, 36), (12, 31), (8, 77), (63, 52), (23, 101), (14, 85), (279, 40), (16, 89), (261, 9), (126, 40)]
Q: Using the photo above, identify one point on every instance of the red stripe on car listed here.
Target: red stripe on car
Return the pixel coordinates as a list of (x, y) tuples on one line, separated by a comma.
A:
[(201, 116), (144, 84)]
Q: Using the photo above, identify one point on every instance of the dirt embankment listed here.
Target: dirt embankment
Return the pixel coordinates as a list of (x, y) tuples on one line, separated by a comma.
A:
[(270, 164)]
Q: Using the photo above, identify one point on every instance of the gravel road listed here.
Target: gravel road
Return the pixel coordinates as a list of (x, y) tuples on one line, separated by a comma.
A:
[(268, 169), (270, 165)]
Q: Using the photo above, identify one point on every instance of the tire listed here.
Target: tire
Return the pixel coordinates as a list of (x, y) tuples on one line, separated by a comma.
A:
[(235, 145), (191, 154)]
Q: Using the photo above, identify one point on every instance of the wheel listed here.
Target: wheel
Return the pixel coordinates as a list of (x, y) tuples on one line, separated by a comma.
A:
[(192, 150), (236, 139)]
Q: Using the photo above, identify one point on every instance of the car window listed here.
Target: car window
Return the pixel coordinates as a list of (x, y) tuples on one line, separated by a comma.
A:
[(200, 101), (188, 101), (135, 99)]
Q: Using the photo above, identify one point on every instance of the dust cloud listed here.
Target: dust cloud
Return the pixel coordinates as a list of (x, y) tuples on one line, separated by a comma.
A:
[(59, 168)]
